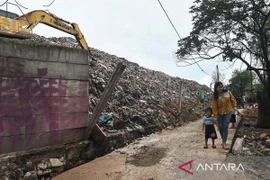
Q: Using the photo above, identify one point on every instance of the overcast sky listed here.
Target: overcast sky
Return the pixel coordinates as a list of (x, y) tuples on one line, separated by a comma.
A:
[(137, 30)]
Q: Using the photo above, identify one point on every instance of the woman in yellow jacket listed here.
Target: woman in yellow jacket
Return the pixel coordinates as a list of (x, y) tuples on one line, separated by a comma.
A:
[(223, 103)]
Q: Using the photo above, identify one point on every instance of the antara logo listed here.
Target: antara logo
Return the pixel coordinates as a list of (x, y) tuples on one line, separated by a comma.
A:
[(211, 167), (185, 164)]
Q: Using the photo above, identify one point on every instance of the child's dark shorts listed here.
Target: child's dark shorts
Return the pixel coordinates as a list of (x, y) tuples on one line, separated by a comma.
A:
[(210, 132)]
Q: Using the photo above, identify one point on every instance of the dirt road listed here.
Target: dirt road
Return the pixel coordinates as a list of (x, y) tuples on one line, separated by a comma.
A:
[(158, 156)]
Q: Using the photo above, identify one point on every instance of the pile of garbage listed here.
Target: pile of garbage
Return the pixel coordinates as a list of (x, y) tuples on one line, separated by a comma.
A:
[(142, 97), (254, 141)]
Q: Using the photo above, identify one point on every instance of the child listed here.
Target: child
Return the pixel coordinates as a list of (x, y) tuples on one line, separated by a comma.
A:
[(208, 127), (233, 118)]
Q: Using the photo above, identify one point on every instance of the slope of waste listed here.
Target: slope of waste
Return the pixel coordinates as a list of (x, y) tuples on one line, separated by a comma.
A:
[(142, 97)]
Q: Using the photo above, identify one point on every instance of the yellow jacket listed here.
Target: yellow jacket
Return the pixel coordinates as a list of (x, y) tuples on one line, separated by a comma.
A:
[(224, 104)]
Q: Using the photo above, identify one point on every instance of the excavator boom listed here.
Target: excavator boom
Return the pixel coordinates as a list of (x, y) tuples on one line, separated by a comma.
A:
[(22, 26)]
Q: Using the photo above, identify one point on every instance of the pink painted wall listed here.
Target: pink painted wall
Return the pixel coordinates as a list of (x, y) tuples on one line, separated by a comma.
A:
[(43, 95)]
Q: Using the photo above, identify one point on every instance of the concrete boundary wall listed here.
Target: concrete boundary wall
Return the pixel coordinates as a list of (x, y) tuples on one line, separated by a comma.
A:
[(43, 95)]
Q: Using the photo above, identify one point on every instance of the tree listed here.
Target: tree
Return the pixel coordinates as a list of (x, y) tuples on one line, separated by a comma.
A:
[(257, 85), (221, 78), (214, 78), (240, 83), (231, 30)]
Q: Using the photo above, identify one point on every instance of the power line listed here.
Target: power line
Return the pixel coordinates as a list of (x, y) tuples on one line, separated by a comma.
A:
[(49, 4), (4, 3), (169, 19), (178, 34), (20, 5)]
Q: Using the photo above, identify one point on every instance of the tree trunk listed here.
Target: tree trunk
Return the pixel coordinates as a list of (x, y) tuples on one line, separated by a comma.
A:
[(264, 109)]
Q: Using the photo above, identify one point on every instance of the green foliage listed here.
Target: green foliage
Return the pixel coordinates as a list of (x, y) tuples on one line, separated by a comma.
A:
[(240, 83), (230, 30), (258, 87)]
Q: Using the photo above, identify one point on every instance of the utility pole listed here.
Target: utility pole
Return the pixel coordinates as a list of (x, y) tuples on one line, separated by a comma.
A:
[(251, 85), (180, 95), (217, 74), (102, 102)]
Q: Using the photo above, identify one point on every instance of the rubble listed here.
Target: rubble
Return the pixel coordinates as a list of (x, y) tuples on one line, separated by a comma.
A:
[(256, 141), (238, 146)]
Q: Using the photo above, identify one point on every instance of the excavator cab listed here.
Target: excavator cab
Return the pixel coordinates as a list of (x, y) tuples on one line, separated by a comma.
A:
[(10, 26), (8, 14)]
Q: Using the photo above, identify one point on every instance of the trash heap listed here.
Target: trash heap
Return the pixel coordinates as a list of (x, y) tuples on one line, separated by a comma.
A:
[(253, 141), (142, 98)]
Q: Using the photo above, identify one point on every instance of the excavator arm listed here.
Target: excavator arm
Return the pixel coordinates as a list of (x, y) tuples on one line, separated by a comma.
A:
[(30, 20)]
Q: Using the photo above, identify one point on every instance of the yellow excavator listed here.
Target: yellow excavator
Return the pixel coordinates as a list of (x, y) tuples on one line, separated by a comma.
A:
[(14, 26)]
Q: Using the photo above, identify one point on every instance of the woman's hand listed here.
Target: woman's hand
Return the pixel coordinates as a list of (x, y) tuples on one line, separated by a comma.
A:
[(216, 123)]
